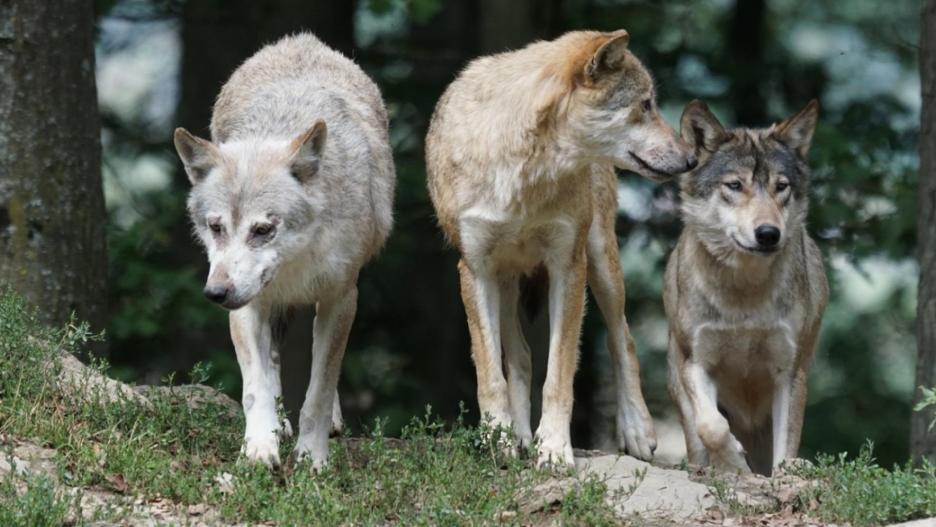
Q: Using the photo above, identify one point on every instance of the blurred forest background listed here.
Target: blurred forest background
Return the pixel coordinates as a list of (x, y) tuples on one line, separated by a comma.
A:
[(159, 64)]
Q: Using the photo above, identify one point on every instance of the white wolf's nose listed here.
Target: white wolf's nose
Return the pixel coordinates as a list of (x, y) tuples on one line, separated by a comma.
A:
[(216, 293)]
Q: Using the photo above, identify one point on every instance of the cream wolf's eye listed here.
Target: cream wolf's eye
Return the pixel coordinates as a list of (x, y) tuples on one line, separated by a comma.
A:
[(733, 185)]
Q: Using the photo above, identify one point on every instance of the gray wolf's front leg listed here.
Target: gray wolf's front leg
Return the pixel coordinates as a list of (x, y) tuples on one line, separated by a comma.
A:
[(250, 332), (333, 320)]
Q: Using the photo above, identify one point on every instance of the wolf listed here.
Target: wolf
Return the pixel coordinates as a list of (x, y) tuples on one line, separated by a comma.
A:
[(744, 292), (520, 157), (290, 198)]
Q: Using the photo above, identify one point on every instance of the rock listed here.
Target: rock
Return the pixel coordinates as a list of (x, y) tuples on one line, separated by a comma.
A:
[(78, 381), (545, 495), (194, 395), (638, 488), (928, 522)]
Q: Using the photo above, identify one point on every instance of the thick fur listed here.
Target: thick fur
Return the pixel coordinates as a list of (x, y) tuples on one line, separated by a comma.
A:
[(744, 317), (520, 157), (291, 198)]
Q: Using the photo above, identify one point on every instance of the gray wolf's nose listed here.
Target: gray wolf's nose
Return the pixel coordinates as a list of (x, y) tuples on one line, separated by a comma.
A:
[(767, 235), (216, 293), (691, 162)]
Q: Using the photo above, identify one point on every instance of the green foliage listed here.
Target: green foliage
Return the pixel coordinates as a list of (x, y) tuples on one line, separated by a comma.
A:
[(32, 502), (861, 492), (927, 400)]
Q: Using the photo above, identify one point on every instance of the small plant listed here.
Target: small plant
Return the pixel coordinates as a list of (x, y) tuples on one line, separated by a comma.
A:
[(33, 502)]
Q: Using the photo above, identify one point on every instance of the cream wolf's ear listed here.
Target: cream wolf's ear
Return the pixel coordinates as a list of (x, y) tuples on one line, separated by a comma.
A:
[(797, 131), (699, 127), (198, 155), (609, 57), (307, 151)]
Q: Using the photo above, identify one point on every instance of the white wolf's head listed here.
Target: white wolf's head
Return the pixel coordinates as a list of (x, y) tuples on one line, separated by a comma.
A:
[(252, 205), (749, 192)]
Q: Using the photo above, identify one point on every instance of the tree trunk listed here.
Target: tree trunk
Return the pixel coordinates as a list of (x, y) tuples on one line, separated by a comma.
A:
[(52, 218), (923, 443), (745, 51)]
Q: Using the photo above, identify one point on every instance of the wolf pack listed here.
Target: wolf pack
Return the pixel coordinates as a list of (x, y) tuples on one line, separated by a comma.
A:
[(293, 195)]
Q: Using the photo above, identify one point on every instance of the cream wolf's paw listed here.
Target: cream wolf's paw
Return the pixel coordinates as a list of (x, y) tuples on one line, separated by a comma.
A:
[(635, 433), (554, 450), (498, 434), (263, 449), (306, 449)]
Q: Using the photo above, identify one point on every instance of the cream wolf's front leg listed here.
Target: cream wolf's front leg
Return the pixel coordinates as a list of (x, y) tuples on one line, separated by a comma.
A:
[(252, 337), (333, 320), (566, 308)]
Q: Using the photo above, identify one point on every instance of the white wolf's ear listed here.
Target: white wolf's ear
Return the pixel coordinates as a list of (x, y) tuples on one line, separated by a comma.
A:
[(198, 155), (797, 131), (307, 151), (699, 127), (609, 57)]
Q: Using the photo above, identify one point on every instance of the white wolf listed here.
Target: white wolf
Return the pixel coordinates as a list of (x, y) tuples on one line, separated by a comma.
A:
[(291, 198)]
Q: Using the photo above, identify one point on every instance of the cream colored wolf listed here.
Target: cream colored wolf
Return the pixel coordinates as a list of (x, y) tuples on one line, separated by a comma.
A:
[(291, 198), (745, 290), (520, 156)]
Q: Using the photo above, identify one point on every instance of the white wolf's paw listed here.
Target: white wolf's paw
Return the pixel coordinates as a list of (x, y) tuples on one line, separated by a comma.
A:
[(263, 449), (635, 433), (337, 425), (285, 429), (497, 432), (306, 451)]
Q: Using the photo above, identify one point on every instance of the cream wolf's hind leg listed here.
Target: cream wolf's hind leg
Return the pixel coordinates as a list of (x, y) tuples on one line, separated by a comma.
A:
[(333, 320), (253, 343), (635, 432), (517, 360)]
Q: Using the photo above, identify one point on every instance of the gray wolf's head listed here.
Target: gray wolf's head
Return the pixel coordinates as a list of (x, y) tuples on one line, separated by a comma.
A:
[(613, 111), (749, 192), (252, 206)]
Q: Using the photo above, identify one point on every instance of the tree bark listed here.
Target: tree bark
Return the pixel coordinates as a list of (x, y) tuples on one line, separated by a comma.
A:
[(745, 51), (922, 442), (52, 217)]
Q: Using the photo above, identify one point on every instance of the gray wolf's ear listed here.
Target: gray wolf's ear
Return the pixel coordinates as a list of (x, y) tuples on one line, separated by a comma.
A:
[(797, 131), (198, 155), (306, 150), (609, 57), (699, 127)]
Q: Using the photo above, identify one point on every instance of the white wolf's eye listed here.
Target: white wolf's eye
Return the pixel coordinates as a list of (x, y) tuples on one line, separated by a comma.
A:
[(262, 229), (215, 227)]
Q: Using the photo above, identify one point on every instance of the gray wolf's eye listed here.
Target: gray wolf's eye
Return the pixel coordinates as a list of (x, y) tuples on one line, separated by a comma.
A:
[(782, 185), (262, 229), (733, 185)]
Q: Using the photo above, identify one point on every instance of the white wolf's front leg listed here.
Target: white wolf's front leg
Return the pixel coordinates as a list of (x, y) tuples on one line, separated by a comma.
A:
[(250, 332), (333, 319), (566, 308)]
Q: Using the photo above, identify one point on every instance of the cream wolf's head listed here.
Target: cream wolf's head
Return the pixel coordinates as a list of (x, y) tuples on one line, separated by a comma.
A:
[(612, 110), (252, 207), (749, 192)]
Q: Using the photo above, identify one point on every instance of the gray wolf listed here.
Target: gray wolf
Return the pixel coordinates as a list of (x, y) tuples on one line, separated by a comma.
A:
[(744, 292), (520, 155), (290, 198)]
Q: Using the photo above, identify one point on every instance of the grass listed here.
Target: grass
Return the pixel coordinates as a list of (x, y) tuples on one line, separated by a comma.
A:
[(433, 475), (861, 492)]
